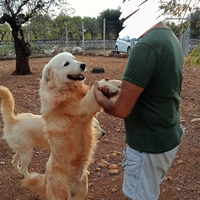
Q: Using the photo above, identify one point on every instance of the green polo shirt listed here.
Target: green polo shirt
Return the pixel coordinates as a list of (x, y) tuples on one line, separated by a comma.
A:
[(156, 64)]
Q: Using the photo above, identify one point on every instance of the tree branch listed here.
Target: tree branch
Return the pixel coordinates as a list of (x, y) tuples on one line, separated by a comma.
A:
[(7, 6), (4, 18), (20, 7)]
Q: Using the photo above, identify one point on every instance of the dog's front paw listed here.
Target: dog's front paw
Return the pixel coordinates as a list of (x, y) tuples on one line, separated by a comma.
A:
[(112, 88), (116, 83)]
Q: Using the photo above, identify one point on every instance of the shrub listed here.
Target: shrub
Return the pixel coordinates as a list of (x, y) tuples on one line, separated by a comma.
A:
[(5, 49), (194, 57)]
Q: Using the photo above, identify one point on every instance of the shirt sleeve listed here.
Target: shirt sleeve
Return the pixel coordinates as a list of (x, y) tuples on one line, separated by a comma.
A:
[(141, 66)]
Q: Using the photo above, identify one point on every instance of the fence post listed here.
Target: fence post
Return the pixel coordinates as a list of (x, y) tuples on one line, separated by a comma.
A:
[(104, 35), (67, 40), (83, 37)]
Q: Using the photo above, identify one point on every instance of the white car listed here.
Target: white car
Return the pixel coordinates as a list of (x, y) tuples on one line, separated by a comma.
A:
[(124, 44)]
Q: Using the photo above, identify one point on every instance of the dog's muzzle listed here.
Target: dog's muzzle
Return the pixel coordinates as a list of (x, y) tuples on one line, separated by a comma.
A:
[(78, 77), (83, 66)]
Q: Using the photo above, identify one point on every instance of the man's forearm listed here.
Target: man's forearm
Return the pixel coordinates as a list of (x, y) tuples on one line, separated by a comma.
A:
[(110, 107)]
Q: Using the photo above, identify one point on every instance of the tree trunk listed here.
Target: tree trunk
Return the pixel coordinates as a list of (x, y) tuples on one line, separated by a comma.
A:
[(22, 59), (22, 51)]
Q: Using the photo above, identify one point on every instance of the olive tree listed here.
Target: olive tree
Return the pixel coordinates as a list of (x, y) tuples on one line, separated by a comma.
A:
[(16, 13)]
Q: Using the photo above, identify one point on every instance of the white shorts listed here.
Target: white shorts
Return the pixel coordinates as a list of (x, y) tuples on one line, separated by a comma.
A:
[(144, 172)]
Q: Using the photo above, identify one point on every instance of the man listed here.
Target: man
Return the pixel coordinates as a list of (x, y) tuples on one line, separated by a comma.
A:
[(149, 104)]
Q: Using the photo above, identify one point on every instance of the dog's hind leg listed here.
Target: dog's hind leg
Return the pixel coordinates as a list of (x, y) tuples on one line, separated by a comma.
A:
[(82, 188), (15, 162), (25, 160)]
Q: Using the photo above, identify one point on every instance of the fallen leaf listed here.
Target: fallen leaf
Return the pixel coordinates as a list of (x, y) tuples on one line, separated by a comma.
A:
[(103, 163), (113, 169)]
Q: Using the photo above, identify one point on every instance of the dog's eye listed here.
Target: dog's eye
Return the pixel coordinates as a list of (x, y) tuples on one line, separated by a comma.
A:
[(67, 63)]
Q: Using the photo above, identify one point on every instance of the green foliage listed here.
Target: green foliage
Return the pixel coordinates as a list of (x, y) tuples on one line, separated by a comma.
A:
[(195, 22), (74, 28), (59, 26), (39, 27), (63, 6), (35, 47), (178, 29), (113, 24), (48, 26), (194, 57), (91, 28), (174, 7), (5, 49), (173, 27), (179, 8), (5, 32)]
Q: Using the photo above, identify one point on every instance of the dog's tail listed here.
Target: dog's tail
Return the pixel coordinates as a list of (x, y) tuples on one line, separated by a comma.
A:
[(7, 105), (36, 182)]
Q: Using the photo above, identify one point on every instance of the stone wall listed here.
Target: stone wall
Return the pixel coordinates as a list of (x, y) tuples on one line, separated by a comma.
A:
[(96, 44), (88, 44), (93, 44)]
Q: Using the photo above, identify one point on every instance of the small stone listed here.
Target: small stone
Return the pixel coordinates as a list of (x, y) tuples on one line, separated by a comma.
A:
[(106, 140), (180, 162), (114, 154), (114, 189), (107, 156), (195, 120), (170, 178)]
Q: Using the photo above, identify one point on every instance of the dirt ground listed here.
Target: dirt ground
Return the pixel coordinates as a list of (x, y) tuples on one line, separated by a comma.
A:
[(183, 178)]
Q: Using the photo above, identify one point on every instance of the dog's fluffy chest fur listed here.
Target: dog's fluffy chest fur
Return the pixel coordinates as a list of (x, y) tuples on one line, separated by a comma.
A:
[(63, 99), (69, 131)]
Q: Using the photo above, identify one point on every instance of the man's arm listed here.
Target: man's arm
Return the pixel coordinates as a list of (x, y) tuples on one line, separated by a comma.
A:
[(123, 105)]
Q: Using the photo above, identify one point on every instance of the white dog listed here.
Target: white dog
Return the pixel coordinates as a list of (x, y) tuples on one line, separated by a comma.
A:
[(68, 107), (22, 132), (25, 131)]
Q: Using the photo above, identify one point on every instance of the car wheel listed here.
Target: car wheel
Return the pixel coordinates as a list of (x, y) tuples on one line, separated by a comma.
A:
[(128, 50), (116, 50)]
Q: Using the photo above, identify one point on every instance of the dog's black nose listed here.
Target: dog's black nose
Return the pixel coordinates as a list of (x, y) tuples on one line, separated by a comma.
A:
[(83, 66)]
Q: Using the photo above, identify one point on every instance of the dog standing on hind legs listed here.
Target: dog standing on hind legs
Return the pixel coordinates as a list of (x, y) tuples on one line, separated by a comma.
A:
[(25, 131), (68, 107)]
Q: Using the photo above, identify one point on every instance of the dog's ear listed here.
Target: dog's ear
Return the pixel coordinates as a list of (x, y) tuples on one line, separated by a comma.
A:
[(46, 73)]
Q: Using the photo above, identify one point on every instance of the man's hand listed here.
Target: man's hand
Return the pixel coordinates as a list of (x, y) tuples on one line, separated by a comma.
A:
[(105, 90), (122, 105), (100, 97)]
